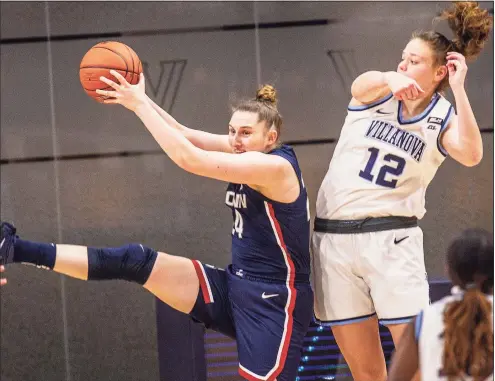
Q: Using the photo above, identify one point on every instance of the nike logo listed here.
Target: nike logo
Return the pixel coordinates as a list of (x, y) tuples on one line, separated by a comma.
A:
[(1, 243), (397, 241), (266, 296), (383, 113)]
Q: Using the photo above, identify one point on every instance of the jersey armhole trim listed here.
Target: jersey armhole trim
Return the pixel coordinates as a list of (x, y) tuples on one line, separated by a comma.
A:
[(292, 160), (371, 105), (444, 125), (418, 323), (295, 166)]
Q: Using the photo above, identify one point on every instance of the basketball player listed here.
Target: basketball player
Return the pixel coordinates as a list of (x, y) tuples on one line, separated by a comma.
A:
[(264, 298), (368, 261), (452, 339)]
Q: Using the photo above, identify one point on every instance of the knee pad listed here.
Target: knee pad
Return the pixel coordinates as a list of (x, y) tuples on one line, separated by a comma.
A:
[(132, 262)]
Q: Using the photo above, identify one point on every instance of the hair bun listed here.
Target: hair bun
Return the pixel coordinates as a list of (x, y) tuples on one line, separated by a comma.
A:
[(267, 93), (471, 26)]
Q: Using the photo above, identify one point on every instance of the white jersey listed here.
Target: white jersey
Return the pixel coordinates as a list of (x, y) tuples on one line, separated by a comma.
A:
[(382, 163), (429, 327)]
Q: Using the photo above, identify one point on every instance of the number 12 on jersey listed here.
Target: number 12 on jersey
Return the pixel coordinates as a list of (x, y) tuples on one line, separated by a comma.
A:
[(396, 170)]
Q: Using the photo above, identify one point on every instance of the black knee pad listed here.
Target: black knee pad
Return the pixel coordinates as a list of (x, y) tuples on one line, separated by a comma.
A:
[(132, 262)]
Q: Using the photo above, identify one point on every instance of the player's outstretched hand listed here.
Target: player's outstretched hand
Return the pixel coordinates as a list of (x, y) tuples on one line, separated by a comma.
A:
[(403, 87), (129, 96)]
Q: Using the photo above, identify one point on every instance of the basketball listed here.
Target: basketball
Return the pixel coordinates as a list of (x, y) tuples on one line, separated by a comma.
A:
[(103, 57)]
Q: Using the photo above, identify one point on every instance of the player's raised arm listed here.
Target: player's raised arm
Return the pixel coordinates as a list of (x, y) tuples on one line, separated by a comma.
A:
[(201, 139), (252, 132), (246, 168), (373, 85), (462, 137)]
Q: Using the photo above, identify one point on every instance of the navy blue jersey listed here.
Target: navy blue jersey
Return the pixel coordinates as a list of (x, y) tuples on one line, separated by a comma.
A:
[(270, 239)]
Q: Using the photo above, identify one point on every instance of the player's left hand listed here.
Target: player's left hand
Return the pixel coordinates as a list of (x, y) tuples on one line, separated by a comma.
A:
[(456, 64), (129, 96)]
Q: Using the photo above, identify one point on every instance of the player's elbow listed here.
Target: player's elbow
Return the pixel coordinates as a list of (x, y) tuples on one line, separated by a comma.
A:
[(475, 159), (368, 86), (472, 159), (476, 155), (184, 162), (358, 85), (189, 161), (357, 90)]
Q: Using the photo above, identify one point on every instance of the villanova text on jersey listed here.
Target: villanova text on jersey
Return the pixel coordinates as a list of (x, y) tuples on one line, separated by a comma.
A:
[(405, 140), (383, 162)]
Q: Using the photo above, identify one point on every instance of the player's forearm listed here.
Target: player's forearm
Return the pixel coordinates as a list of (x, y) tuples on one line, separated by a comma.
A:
[(366, 87), (192, 135), (200, 139), (169, 119), (170, 139), (469, 136)]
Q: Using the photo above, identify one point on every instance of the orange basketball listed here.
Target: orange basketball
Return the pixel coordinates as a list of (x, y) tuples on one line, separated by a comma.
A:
[(102, 58)]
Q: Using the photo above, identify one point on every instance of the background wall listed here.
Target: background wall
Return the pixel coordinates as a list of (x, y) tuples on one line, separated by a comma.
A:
[(112, 184)]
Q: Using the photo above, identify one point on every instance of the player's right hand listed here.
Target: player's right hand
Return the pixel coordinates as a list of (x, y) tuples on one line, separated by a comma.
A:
[(403, 87)]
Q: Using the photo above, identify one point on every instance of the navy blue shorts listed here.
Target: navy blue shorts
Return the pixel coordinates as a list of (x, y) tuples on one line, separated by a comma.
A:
[(268, 319)]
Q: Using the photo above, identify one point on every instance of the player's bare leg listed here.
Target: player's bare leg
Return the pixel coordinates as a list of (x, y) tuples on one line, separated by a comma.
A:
[(361, 346), (397, 330), (172, 279)]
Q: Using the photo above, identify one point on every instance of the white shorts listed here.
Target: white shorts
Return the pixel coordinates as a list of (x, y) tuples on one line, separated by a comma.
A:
[(355, 276)]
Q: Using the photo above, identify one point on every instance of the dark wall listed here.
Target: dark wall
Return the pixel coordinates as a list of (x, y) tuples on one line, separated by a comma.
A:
[(65, 329)]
